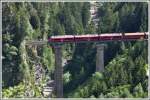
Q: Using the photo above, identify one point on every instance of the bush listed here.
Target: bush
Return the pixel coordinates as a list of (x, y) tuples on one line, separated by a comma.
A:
[(16, 91)]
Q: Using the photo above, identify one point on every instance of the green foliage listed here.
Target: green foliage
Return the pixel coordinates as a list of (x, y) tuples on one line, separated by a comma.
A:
[(117, 66), (121, 17), (126, 66), (138, 91), (93, 86), (125, 61), (66, 77), (120, 92), (108, 19), (16, 91), (58, 29), (34, 20), (98, 76), (48, 58), (85, 14)]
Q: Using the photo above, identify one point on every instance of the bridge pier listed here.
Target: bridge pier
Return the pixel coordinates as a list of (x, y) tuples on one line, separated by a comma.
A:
[(100, 58), (58, 75)]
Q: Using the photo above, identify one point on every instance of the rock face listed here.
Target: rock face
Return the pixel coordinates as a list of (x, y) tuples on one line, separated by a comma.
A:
[(48, 89), (29, 93), (38, 74), (93, 11)]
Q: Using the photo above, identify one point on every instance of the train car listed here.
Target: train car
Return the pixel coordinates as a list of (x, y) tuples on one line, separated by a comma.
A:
[(110, 37), (62, 38), (135, 36), (89, 37), (100, 37)]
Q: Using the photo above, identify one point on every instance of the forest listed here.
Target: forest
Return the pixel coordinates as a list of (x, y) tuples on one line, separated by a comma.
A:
[(126, 63)]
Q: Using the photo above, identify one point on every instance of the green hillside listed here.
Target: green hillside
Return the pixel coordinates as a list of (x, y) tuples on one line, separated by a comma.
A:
[(126, 62)]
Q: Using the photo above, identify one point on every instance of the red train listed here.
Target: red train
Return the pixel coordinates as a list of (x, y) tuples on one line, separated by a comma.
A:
[(100, 37)]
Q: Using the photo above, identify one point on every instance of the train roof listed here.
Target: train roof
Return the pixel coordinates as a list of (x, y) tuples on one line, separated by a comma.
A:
[(93, 35)]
